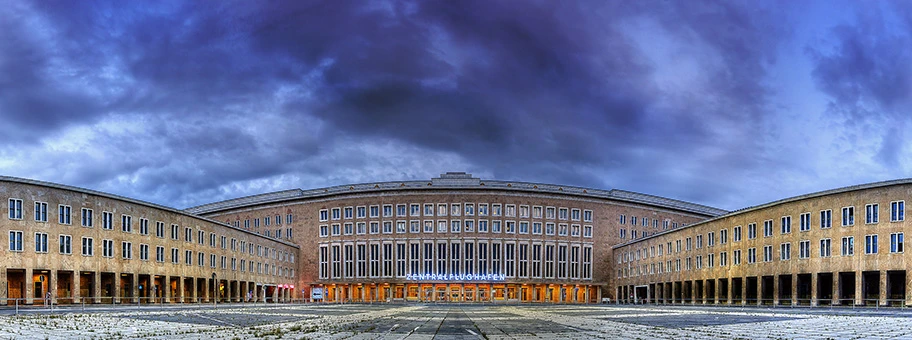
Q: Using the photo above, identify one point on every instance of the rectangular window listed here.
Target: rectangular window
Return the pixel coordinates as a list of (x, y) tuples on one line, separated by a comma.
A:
[(871, 213), (482, 209), (126, 250), (736, 234), (804, 249), (63, 214), (455, 226), (347, 213), (848, 246), (455, 209), (736, 257), (15, 209), (805, 221), (415, 210), (786, 225), (482, 226), (897, 211), (107, 248), (825, 247), (126, 223), (401, 210), (752, 255), (767, 253), (361, 212), (785, 251), (848, 216), (723, 236), (143, 252), (15, 241), (469, 226), (88, 246), (41, 243), (826, 219), (428, 210), (87, 217), (41, 212), (374, 211), (871, 244), (66, 246), (441, 209), (751, 231), (767, 228), (896, 242)]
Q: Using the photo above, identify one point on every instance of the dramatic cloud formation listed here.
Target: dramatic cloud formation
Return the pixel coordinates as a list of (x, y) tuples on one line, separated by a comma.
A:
[(722, 103)]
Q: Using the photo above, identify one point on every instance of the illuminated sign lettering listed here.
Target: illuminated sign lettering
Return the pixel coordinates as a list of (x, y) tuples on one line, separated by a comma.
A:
[(453, 277)]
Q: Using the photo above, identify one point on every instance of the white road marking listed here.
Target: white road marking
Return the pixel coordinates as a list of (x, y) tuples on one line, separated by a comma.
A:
[(470, 331)]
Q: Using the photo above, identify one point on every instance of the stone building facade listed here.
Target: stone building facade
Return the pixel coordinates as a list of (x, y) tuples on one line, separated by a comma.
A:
[(455, 237), (837, 247), (72, 245)]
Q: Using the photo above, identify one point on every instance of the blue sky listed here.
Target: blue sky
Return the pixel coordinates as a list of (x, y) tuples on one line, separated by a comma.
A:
[(724, 103)]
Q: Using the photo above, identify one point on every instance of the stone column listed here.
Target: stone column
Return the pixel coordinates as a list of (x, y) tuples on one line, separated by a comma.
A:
[(4, 292), (52, 286), (776, 287), (814, 289), (96, 287), (795, 289), (77, 287), (883, 288), (859, 293), (759, 290), (116, 285), (135, 288), (836, 292), (29, 286)]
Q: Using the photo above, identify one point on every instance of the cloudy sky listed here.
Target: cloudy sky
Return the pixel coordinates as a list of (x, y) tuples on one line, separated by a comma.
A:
[(724, 103)]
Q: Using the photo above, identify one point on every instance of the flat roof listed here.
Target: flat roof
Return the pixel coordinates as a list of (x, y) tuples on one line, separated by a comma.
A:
[(133, 201), (778, 202), (456, 180)]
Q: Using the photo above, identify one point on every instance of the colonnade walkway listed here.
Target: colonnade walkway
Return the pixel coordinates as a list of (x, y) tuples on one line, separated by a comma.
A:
[(859, 288), (55, 287)]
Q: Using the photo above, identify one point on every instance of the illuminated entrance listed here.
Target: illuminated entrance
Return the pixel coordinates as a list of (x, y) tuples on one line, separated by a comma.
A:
[(438, 292)]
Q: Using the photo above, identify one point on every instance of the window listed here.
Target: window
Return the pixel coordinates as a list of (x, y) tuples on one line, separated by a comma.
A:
[(767, 253), (482, 226), (723, 236), (549, 228), (622, 219), (456, 226), (362, 213), (87, 217), (15, 209), (374, 211), (107, 248), (482, 209), (324, 216), (41, 243), (736, 234), (470, 226), (126, 250), (897, 211), (848, 216), (66, 244), (562, 229), (574, 214), (848, 246), (495, 226), (469, 209), (126, 223), (786, 226), (159, 229), (429, 226), (401, 210), (88, 246), (751, 255), (871, 244), (374, 227), (415, 209), (896, 242), (455, 209), (337, 213), (587, 230), (785, 251), (41, 212), (751, 231), (15, 241), (587, 216), (511, 210), (767, 228), (160, 254), (871, 213), (804, 249), (805, 221), (63, 214), (441, 209), (348, 213), (428, 209), (825, 245), (826, 219), (441, 226), (143, 252), (143, 226)]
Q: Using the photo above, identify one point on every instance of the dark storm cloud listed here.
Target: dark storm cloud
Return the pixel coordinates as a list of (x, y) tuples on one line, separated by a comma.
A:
[(216, 94), (865, 69)]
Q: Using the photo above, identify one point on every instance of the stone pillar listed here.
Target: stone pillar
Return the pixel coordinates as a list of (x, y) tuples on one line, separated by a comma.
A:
[(776, 287), (859, 293), (836, 292), (116, 285), (207, 289), (77, 288), (759, 290), (96, 287), (795, 289), (882, 299), (4, 292), (135, 288), (195, 289), (814, 289), (29, 286), (165, 292), (52, 286)]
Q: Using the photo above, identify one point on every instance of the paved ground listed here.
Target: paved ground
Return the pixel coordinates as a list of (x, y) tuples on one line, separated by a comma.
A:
[(429, 321)]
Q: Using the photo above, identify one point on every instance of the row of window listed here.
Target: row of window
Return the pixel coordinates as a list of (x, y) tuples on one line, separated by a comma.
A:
[(127, 226), (277, 220), (456, 226), (897, 241), (456, 209), (897, 209), (126, 252), (512, 260), (622, 219)]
